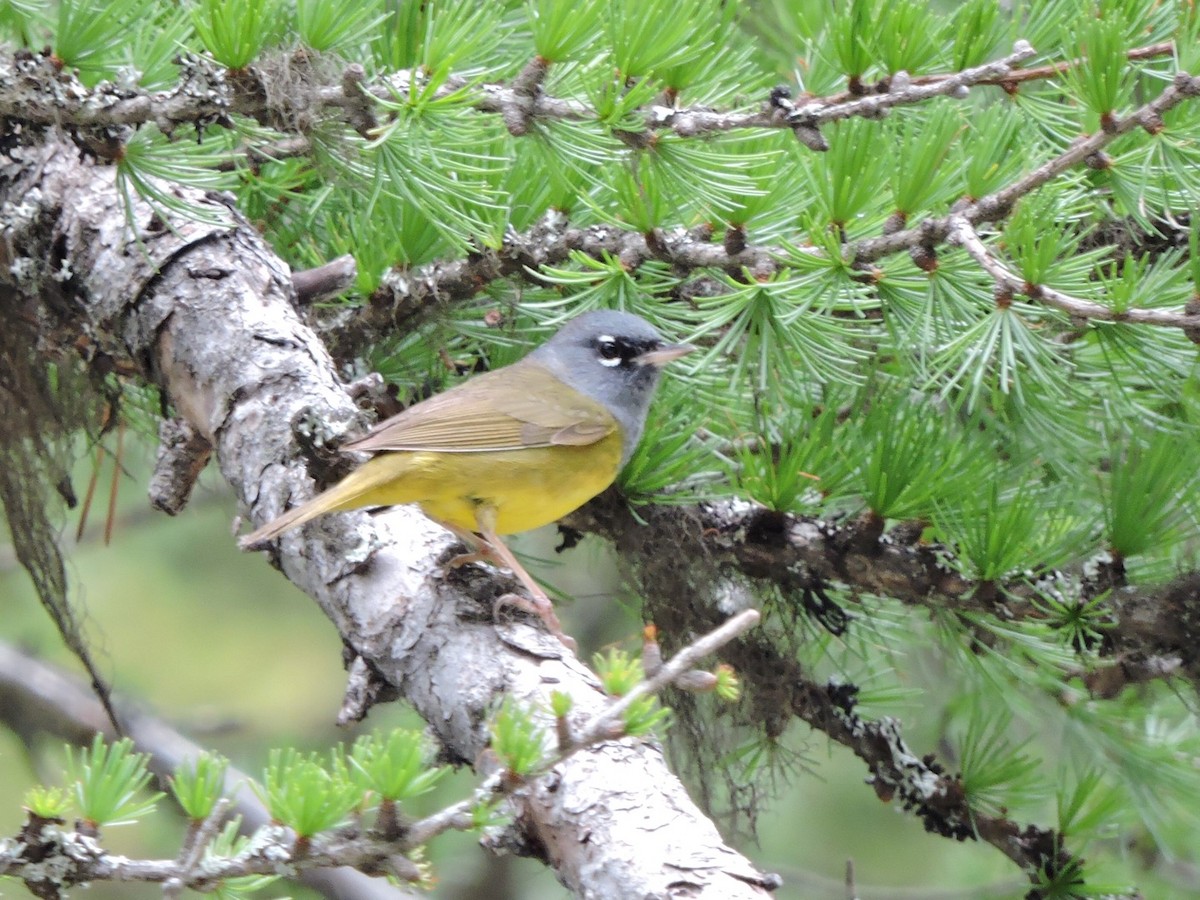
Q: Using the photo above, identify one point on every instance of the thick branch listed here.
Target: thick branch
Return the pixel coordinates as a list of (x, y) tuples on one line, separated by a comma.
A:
[(35, 93)]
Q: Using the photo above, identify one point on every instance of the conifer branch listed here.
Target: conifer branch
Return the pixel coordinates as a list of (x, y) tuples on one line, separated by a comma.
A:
[(1007, 284), (34, 90), (65, 708), (40, 700), (1152, 632), (403, 296), (998, 205), (921, 785)]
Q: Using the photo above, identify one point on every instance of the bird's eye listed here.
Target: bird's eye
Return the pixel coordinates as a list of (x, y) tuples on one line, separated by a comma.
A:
[(609, 350)]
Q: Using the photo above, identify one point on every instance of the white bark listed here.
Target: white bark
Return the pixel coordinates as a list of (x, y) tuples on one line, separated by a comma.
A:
[(207, 312)]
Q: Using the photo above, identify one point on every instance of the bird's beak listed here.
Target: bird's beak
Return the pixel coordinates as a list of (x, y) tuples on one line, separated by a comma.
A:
[(663, 355)]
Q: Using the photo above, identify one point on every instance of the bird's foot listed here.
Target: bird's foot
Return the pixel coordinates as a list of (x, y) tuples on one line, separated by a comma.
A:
[(541, 607), (467, 559)]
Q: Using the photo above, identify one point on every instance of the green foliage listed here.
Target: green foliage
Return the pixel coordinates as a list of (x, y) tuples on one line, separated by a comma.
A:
[(560, 704), (671, 465), (396, 766), (229, 843), (198, 784), (304, 795), (1087, 802), (48, 802), (415, 159), (799, 463), (1145, 494), (109, 782), (436, 37), (845, 181), (850, 36), (517, 738), (769, 335), (150, 53), (619, 673), (997, 532), (1082, 624), (150, 163), (19, 18), (235, 32), (728, 686), (327, 26), (920, 179), (1103, 79), (977, 32), (87, 31), (562, 30), (907, 35), (648, 36), (996, 773), (907, 456)]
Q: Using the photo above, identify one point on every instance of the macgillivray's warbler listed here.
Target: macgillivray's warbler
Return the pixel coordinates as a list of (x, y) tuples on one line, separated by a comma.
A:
[(512, 449)]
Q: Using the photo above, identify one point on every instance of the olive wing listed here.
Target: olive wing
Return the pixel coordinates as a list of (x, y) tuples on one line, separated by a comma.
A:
[(514, 408)]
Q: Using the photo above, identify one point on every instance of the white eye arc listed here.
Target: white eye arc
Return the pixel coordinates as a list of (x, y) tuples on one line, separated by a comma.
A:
[(609, 350)]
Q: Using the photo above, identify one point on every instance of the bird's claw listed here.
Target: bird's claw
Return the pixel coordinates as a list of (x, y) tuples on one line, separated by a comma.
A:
[(540, 607)]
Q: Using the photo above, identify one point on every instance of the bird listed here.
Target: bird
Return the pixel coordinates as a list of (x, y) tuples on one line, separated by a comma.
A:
[(511, 449)]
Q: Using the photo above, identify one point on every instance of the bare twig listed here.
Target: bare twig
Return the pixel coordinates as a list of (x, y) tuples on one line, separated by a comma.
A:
[(906, 92), (198, 837), (325, 282), (182, 455)]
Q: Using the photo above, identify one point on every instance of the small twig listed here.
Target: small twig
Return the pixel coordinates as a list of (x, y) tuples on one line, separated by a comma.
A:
[(962, 234), (256, 155), (325, 282), (600, 727), (456, 816), (1018, 76), (182, 455), (196, 840), (908, 92), (364, 689)]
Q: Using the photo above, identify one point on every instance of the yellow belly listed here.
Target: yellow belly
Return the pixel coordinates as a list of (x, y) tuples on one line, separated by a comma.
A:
[(526, 488)]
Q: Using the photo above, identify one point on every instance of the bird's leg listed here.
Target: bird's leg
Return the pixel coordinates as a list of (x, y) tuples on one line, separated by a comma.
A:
[(477, 550), (495, 551), (537, 602)]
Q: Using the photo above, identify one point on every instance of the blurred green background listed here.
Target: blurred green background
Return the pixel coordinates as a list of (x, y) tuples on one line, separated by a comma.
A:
[(221, 646)]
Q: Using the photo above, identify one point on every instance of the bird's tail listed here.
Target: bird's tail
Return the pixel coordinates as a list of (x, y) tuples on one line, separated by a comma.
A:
[(349, 493)]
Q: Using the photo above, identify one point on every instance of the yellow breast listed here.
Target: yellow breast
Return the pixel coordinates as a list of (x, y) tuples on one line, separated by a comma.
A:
[(527, 488)]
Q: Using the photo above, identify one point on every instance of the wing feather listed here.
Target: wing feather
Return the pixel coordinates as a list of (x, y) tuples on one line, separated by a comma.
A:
[(509, 409)]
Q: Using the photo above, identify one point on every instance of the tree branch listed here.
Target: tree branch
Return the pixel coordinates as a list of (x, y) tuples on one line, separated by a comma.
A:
[(38, 699), (1154, 632), (405, 296), (962, 234)]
